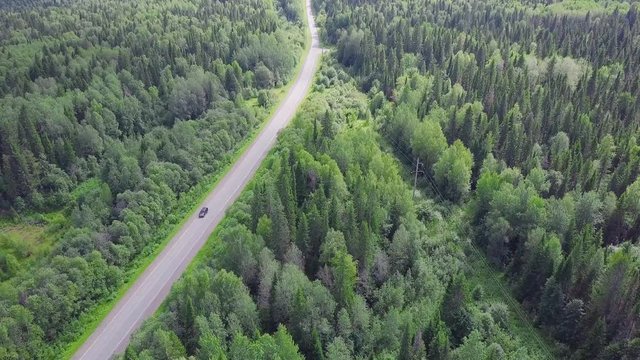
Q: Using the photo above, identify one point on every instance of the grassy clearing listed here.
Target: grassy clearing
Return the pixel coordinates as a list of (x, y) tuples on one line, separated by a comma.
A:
[(22, 240), (25, 241), (494, 283), (19, 245), (85, 188), (188, 204), (496, 289)]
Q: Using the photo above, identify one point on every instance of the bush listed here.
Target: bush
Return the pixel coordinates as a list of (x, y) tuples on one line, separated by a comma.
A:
[(265, 98), (264, 77), (500, 314), (477, 293)]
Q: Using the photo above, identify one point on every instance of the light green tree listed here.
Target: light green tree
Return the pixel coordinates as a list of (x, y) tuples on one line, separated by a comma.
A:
[(453, 171)]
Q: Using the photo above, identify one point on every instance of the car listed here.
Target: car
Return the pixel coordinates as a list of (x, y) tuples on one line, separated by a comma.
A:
[(203, 212)]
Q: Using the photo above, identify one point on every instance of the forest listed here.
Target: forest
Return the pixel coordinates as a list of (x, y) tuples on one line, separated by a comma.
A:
[(528, 121), (517, 120), (327, 256), (114, 118), (522, 122)]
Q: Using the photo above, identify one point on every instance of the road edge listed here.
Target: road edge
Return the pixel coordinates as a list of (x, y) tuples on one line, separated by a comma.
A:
[(102, 311)]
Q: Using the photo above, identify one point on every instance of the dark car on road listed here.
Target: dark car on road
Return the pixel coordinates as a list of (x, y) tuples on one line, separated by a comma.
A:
[(203, 212)]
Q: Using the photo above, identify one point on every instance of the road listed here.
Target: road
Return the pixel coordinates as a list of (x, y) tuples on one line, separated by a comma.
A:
[(147, 293)]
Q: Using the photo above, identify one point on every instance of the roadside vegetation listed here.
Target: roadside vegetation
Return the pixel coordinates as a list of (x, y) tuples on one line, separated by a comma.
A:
[(518, 121), (524, 231), (115, 116), (326, 256)]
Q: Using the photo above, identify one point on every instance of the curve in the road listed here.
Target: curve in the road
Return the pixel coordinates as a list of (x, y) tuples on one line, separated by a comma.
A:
[(148, 292)]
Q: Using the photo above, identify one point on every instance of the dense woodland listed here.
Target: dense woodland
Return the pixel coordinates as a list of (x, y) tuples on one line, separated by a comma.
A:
[(111, 112), (327, 256), (523, 118), (529, 121)]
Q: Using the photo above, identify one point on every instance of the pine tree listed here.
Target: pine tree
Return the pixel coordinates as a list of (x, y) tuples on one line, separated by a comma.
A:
[(317, 345), (438, 348), (405, 344), (551, 303), (345, 275), (467, 131), (231, 83), (130, 354), (302, 234), (280, 231), (569, 327), (190, 332), (315, 131), (28, 134), (286, 191), (300, 183), (453, 310), (328, 131), (595, 341), (258, 204)]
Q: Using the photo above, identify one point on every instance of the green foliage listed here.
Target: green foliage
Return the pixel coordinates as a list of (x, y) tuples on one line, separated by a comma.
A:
[(581, 7), (265, 98), (352, 272), (452, 171), (115, 115), (428, 142), (540, 111), (552, 127), (472, 348)]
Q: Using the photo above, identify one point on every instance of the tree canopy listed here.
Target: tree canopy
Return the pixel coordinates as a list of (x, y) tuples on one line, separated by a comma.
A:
[(114, 116)]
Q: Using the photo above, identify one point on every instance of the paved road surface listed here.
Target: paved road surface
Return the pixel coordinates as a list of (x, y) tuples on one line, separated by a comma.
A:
[(146, 295)]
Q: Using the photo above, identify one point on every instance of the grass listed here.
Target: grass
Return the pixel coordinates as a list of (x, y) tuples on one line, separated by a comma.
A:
[(496, 289), (22, 243), (22, 240), (29, 239), (85, 187), (93, 318)]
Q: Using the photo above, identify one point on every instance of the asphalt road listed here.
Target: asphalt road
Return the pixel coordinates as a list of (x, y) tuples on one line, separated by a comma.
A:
[(145, 296)]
